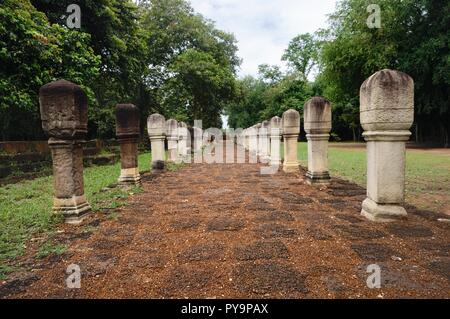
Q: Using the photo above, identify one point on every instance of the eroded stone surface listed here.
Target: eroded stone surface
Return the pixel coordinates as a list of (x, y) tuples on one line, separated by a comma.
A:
[(225, 224), (273, 230), (268, 277), (373, 251), (207, 251), (261, 250)]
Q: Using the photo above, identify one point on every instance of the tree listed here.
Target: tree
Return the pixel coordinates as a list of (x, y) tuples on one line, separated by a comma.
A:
[(413, 38), (201, 85), (302, 54), (33, 53)]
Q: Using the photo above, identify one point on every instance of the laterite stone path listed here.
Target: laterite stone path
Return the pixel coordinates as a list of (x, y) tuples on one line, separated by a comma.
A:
[(226, 231)]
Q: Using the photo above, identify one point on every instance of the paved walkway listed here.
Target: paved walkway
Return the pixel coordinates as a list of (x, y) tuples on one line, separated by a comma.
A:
[(215, 231)]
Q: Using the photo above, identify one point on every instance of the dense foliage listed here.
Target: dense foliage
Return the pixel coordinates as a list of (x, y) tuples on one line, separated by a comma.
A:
[(159, 54), (165, 58), (414, 38)]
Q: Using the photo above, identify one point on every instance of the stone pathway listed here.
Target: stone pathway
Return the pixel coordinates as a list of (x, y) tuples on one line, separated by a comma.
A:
[(225, 231)]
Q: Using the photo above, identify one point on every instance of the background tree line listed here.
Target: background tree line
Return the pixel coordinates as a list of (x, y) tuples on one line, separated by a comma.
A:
[(165, 58), (414, 38), (159, 54)]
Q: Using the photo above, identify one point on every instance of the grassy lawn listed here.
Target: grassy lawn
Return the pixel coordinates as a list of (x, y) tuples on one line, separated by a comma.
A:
[(427, 174), (25, 209)]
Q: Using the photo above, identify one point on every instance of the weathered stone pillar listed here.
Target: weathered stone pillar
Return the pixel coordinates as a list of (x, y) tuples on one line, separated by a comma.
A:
[(172, 140), (63, 107), (156, 125), (127, 132), (246, 138), (317, 114), (258, 142), (253, 145), (275, 141), (198, 145), (182, 141), (264, 137), (387, 113), (291, 130)]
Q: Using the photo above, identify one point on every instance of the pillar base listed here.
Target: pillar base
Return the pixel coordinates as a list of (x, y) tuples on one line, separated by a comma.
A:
[(313, 178), (158, 166), (382, 212), (275, 162), (129, 177), (291, 167), (74, 210)]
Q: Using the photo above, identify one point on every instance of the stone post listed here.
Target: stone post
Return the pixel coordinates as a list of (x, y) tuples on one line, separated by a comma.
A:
[(127, 132), (172, 140), (387, 113), (156, 125), (198, 145), (275, 141), (258, 142), (253, 145), (182, 141), (291, 130), (317, 114), (264, 137), (246, 139), (63, 108)]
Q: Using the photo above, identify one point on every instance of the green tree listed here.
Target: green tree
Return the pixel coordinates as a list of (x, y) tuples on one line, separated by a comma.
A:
[(413, 38), (302, 54), (33, 53)]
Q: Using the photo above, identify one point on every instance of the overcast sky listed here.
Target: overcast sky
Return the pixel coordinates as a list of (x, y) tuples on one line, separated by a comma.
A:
[(263, 28)]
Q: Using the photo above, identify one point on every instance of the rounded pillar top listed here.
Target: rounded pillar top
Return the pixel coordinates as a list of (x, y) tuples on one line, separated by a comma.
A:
[(171, 127), (156, 125), (127, 120), (275, 122), (63, 108), (317, 114), (291, 122), (387, 101), (275, 125), (182, 129)]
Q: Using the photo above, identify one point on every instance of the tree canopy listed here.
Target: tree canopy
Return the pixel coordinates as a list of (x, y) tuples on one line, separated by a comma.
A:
[(159, 54), (164, 57)]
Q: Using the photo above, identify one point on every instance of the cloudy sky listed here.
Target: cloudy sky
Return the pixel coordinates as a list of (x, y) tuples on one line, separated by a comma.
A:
[(264, 28)]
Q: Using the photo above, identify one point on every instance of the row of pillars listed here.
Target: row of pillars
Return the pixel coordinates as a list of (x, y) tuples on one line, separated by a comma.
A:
[(263, 140), (63, 108), (386, 112), (386, 115)]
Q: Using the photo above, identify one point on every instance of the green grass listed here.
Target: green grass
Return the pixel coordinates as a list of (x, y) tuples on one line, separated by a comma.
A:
[(427, 174), (26, 208)]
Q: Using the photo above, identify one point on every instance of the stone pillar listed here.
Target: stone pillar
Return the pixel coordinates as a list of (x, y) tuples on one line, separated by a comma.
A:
[(317, 115), (182, 141), (246, 138), (198, 145), (127, 132), (156, 125), (264, 136), (63, 107), (387, 113), (291, 130), (275, 141), (172, 140), (253, 145), (258, 142)]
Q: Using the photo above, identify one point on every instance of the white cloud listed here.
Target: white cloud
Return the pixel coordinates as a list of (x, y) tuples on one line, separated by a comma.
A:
[(264, 28)]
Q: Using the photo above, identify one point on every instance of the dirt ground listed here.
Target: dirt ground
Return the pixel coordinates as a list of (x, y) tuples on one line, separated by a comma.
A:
[(226, 231)]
